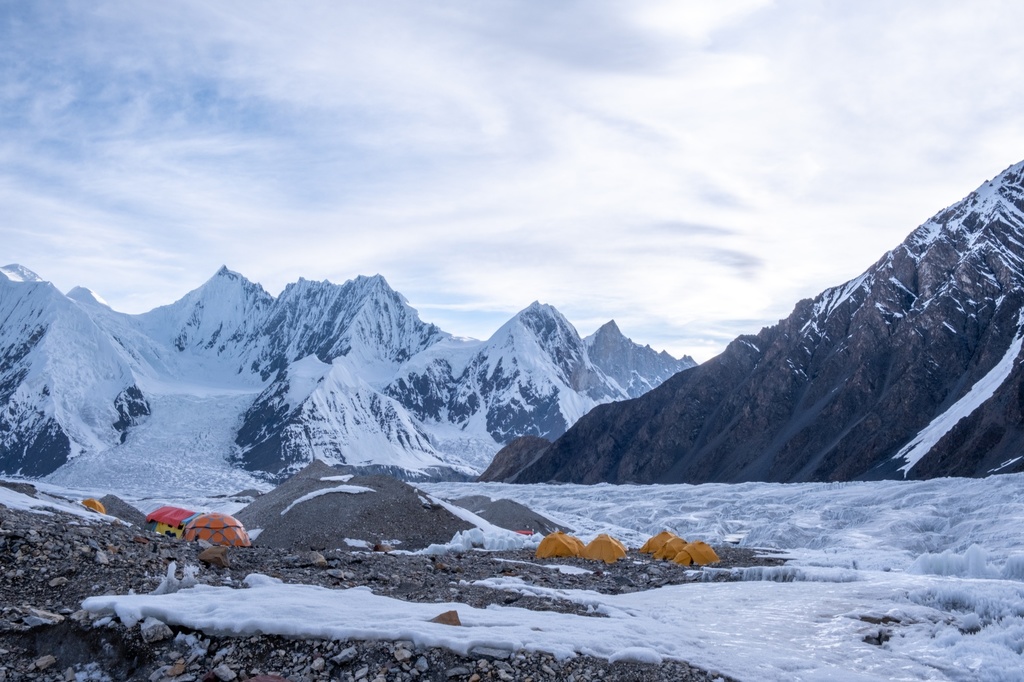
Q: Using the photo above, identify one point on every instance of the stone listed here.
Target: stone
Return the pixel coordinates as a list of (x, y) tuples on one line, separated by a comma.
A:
[(44, 662), (39, 617), (102, 558), (403, 655), (153, 630), (490, 652), (58, 582), (457, 671), (422, 665), (224, 673), (345, 656), (447, 618), (215, 556)]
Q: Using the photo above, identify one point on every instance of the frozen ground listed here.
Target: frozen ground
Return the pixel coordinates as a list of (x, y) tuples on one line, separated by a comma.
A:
[(887, 581)]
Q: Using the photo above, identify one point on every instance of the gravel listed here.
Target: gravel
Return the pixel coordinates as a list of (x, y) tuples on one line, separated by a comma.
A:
[(50, 563), (394, 514)]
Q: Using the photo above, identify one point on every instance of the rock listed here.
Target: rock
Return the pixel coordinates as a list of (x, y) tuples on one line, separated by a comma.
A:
[(403, 655), (447, 618), (346, 656), (58, 582), (44, 662), (457, 671), (422, 665), (153, 630), (39, 617), (224, 673), (101, 558), (315, 559), (215, 556), (490, 652)]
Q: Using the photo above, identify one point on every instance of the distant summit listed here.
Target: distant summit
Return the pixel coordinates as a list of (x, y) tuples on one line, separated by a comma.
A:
[(19, 273)]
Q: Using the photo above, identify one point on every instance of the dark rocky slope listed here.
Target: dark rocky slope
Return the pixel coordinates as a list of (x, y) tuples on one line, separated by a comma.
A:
[(844, 387)]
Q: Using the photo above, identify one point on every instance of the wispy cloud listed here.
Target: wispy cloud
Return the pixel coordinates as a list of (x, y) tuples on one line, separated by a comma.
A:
[(690, 169)]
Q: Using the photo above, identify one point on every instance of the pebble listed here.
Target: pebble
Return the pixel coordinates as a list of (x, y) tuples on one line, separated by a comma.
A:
[(46, 580)]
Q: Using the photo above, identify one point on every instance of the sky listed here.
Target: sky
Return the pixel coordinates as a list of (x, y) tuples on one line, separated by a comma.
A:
[(689, 169)]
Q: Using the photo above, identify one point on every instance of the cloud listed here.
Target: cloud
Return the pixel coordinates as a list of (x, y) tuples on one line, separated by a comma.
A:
[(682, 167)]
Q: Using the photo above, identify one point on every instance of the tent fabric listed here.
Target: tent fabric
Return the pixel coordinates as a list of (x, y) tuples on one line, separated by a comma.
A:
[(218, 529), (669, 550), (559, 544), (683, 558), (701, 553), (657, 542), (95, 505), (604, 548), (169, 520)]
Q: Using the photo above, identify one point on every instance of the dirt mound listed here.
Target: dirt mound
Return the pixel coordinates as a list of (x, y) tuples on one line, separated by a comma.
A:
[(508, 514), (115, 506), (318, 508)]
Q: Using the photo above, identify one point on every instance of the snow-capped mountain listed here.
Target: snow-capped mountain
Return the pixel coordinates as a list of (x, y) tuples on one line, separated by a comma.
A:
[(912, 369), (344, 373), (64, 387), (534, 376)]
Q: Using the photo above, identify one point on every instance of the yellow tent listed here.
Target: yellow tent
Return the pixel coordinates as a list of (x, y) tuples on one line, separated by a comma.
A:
[(559, 544), (670, 549), (95, 505), (657, 542), (604, 548), (702, 553), (683, 557)]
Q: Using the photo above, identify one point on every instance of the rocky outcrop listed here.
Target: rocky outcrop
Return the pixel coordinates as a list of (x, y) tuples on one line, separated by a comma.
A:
[(911, 369), (637, 369), (515, 457)]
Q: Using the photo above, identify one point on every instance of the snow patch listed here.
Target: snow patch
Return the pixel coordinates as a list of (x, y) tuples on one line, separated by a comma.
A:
[(984, 389), (349, 489)]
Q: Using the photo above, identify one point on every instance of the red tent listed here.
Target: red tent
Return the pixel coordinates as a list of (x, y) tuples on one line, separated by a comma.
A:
[(169, 520)]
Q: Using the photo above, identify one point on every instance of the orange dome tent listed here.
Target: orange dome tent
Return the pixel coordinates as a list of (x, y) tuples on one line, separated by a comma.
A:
[(670, 549), (702, 553), (683, 558), (604, 548), (657, 542), (95, 505), (218, 529), (559, 544)]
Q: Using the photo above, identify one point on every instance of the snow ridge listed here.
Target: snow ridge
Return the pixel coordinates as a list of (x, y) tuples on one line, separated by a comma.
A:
[(345, 373)]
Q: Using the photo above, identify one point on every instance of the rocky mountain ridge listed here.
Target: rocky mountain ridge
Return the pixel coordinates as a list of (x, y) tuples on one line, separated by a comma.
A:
[(344, 373), (912, 369)]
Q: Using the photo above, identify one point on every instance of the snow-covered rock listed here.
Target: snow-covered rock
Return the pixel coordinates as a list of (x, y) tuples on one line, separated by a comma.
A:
[(346, 373)]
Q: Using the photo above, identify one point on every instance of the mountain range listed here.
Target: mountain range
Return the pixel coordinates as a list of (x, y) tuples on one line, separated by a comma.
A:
[(913, 369), (346, 373)]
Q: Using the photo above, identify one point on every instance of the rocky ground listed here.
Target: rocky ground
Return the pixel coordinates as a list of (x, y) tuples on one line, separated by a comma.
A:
[(49, 563)]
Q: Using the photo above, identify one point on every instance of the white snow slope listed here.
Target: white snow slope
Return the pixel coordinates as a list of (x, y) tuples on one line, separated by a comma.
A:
[(937, 566)]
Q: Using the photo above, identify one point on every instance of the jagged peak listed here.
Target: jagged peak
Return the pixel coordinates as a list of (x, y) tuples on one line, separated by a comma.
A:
[(87, 296), (230, 274), (1002, 194), (19, 273)]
